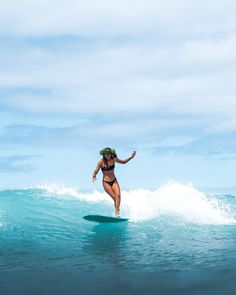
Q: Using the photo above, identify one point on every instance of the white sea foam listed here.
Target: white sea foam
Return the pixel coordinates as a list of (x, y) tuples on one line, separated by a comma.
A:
[(172, 199), (62, 190), (175, 199)]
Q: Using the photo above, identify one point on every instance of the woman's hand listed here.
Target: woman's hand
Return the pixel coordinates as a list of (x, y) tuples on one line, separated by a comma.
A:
[(133, 154), (94, 177)]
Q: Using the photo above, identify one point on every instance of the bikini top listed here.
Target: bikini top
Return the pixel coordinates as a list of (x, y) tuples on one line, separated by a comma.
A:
[(108, 168)]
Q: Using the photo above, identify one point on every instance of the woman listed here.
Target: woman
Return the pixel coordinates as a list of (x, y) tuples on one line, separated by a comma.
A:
[(110, 183)]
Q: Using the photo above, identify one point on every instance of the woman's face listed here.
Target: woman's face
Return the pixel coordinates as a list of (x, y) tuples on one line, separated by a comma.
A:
[(107, 156)]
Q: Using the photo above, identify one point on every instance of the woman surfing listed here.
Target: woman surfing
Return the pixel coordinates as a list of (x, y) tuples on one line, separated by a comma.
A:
[(110, 183)]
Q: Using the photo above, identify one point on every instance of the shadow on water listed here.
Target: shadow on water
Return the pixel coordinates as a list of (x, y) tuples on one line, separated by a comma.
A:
[(106, 242)]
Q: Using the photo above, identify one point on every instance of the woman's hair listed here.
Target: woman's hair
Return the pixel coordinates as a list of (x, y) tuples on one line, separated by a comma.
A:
[(110, 151)]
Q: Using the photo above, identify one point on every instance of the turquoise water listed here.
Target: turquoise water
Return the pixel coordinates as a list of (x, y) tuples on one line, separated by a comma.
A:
[(178, 241)]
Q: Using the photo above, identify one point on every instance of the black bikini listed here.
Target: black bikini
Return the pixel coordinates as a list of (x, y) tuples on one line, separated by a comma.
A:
[(106, 168), (110, 182)]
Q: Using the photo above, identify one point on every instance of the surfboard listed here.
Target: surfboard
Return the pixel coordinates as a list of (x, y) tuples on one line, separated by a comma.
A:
[(103, 219)]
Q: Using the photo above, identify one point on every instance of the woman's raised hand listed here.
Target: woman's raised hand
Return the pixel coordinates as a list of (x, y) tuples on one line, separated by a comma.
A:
[(133, 154)]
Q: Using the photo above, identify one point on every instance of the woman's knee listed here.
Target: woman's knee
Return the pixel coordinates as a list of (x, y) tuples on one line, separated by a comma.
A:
[(117, 196), (110, 192)]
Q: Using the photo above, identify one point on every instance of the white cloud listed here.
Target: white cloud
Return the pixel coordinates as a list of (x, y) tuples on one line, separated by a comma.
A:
[(129, 130), (175, 141), (228, 125), (211, 94), (126, 77), (188, 74), (13, 164), (210, 52), (91, 17), (153, 74)]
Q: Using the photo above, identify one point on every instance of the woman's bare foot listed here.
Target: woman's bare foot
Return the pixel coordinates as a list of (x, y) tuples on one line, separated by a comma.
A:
[(117, 213)]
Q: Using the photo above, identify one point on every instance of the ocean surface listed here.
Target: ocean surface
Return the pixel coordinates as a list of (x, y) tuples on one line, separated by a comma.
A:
[(178, 240)]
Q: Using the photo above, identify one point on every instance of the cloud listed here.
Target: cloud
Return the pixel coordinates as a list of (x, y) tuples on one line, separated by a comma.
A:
[(209, 146), (172, 142), (228, 125), (156, 76), (124, 77), (210, 52), (57, 17), (124, 130), (33, 135), (144, 132), (118, 57), (169, 66), (166, 136), (19, 164)]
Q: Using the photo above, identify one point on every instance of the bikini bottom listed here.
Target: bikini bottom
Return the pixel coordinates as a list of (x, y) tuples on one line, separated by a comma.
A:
[(110, 182)]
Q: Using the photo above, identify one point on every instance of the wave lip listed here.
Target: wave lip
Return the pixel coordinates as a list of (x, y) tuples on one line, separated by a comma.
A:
[(181, 200), (62, 190), (172, 200)]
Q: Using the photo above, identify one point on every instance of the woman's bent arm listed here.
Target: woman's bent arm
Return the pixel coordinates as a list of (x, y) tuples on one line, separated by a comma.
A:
[(126, 160)]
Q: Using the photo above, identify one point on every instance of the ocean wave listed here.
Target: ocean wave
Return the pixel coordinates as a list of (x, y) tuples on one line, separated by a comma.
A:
[(171, 199)]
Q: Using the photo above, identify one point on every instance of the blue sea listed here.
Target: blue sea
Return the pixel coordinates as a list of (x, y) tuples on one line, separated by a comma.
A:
[(179, 240)]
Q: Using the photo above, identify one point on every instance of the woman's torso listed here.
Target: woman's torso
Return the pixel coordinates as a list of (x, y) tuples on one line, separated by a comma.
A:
[(108, 170)]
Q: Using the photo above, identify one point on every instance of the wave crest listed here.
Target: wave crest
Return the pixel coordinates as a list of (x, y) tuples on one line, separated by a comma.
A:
[(172, 199)]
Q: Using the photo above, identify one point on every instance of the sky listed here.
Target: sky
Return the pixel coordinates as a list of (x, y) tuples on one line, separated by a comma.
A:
[(157, 77)]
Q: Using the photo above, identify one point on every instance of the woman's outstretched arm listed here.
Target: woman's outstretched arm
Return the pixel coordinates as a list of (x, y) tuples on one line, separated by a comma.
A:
[(126, 160)]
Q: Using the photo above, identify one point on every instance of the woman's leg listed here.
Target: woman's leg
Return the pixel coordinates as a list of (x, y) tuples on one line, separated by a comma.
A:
[(109, 190), (116, 190)]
